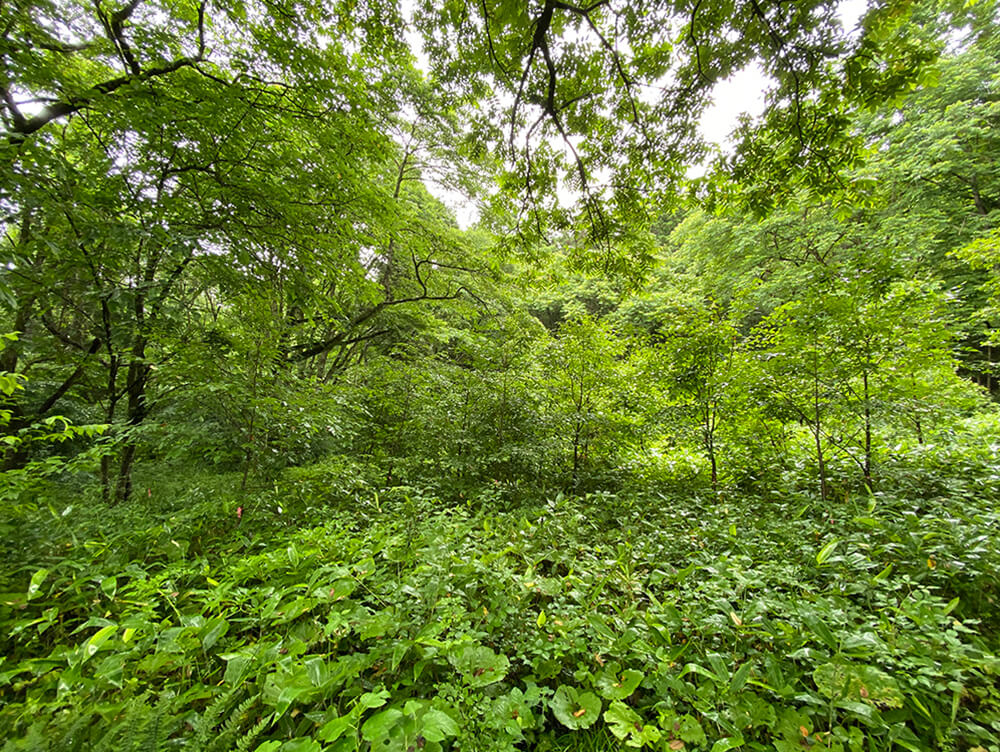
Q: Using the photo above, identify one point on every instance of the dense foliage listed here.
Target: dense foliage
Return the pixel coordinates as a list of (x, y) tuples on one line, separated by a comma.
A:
[(291, 461)]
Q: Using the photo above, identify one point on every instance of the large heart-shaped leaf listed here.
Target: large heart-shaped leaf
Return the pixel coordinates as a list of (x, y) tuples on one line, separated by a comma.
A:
[(574, 709), (615, 684), (478, 665)]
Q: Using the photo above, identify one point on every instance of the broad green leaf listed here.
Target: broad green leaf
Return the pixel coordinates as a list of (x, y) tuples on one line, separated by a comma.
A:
[(91, 646), (111, 670), (236, 667), (478, 665), (883, 574), (290, 694), (380, 725), (858, 683), (335, 728), (739, 679), (821, 630), (824, 553), (213, 631), (649, 735), (301, 744), (866, 713), (575, 709), (621, 719), (719, 666), (373, 699), (613, 684), (727, 743), (317, 671), (436, 725), (34, 587), (109, 585), (627, 725), (901, 734), (690, 730), (694, 668)]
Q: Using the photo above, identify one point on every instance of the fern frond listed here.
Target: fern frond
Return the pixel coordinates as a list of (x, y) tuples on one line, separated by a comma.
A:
[(232, 726), (210, 718), (246, 741)]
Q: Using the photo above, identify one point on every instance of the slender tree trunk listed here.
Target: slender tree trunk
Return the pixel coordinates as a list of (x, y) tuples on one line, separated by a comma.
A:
[(714, 464), (578, 424), (501, 425), (989, 372), (138, 378), (248, 455), (577, 428), (109, 418), (251, 434), (818, 430), (708, 439), (868, 430)]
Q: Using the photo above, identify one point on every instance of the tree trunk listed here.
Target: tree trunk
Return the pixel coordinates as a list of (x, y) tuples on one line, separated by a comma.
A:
[(138, 378), (576, 452), (868, 431), (818, 431)]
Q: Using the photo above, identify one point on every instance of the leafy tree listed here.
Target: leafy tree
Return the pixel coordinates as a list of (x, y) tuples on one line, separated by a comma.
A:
[(583, 382), (275, 172)]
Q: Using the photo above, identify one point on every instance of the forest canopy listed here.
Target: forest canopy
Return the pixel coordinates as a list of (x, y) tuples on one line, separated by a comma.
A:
[(290, 460)]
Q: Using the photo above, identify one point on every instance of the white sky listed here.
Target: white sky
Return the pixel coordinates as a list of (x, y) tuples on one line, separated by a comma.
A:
[(742, 93)]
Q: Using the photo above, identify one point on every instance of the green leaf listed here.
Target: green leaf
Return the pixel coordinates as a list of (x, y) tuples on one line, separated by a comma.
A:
[(824, 553), (719, 666), (613, 684), (109, 585), (111, 670), (866, 713), (101, 636), (373, 699), (621, 719), (856, 683), (739, 679), (335, 728), (478, 665), (35, 585), (290, 694), (648, 735), (236, 665), (380, 725), (901, 734), (301, 744), (574, 709), (317, 671), (727, 743), (436, 725), (213, 630), (694, 668), (883, 574), (821, 630), (627, 725), (690, 730)]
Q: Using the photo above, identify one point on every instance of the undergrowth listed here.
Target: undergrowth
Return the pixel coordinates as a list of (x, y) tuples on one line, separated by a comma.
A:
[(409, 622)]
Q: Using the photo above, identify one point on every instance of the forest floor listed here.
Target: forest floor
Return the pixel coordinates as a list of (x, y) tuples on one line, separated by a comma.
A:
[(405, 621)]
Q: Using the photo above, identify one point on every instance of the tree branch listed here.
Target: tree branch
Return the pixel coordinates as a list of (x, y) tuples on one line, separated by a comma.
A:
[(68, 107)]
